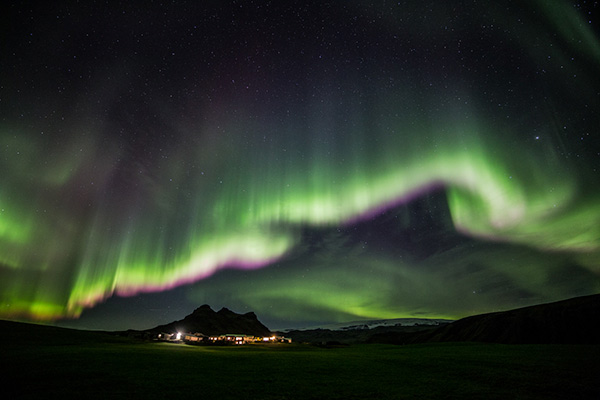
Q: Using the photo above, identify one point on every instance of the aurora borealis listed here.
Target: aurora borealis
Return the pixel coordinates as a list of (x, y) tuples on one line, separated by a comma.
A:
[(311, 162)]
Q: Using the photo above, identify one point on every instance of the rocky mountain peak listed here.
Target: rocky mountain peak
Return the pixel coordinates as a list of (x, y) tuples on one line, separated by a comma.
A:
[(205, 320)]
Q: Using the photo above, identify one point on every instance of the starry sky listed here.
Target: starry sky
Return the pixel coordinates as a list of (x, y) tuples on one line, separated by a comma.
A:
[(313, 162)]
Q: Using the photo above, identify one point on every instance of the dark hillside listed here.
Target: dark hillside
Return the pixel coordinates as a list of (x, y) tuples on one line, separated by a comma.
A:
[(21, 333), (573, 321)]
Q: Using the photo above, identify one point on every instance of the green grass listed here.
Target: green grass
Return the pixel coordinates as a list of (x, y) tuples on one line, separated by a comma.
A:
[(102, 367)]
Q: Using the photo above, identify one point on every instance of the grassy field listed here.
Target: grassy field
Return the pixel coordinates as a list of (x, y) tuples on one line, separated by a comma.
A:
[(65, 364)]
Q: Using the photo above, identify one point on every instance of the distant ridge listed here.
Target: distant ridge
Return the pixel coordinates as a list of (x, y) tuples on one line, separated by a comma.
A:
[(205, 320), (572, 321)]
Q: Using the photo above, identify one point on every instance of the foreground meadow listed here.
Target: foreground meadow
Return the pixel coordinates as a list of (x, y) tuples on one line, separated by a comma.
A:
[(95, 366)]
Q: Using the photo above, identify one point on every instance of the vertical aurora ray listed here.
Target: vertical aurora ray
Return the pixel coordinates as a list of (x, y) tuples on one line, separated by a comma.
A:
[(150, 185)]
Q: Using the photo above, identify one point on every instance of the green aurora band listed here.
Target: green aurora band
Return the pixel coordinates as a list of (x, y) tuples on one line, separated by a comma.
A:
[(86, 218)]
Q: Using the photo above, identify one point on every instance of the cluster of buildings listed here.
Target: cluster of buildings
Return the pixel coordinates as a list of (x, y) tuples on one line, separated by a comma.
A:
[(229, 338)]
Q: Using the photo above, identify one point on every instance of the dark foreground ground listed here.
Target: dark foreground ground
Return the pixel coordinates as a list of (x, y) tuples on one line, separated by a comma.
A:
[(55, 363)]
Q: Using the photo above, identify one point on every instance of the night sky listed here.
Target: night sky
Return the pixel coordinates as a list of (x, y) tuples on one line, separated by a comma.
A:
[(309, 161)]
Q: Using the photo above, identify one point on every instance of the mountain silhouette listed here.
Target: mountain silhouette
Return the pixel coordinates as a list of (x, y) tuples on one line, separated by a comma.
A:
[(205, 320)]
